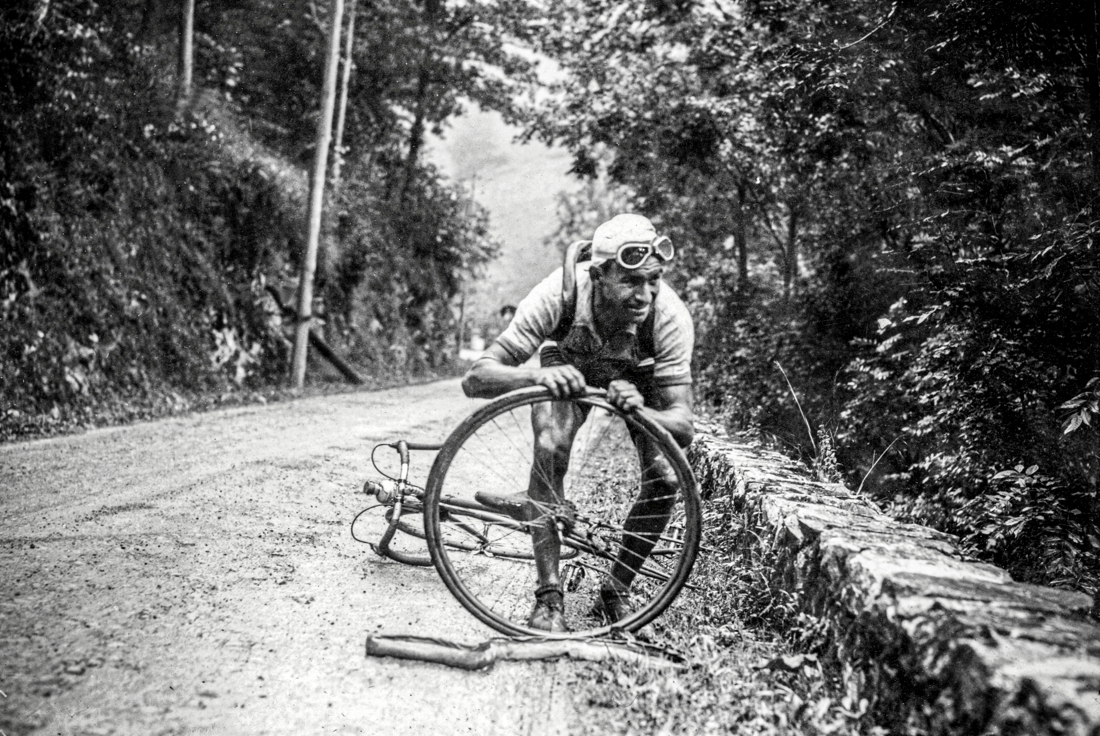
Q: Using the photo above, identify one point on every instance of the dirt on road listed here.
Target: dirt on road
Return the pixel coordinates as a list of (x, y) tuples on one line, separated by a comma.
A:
[(197, 575)]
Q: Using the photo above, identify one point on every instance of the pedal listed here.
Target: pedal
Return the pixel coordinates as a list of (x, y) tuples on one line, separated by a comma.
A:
[(572, 576)]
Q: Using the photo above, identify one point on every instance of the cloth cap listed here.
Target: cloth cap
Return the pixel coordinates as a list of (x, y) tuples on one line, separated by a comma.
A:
[(618, 231)]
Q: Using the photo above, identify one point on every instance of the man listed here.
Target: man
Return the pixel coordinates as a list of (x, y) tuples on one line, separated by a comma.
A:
[(623, 309)]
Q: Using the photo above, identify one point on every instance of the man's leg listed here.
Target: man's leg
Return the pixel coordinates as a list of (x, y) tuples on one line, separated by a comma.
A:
[(555, 426), (643, 526)]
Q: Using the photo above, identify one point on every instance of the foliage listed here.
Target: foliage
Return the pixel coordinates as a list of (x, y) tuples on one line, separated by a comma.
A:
[(580, 212), (896, 203), (1083, 407), (973, 388), (140, 240), (401, 242), (401, 265), (111, 291)]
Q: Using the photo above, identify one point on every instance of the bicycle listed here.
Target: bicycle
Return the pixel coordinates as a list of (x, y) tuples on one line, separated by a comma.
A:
[(485, 557)]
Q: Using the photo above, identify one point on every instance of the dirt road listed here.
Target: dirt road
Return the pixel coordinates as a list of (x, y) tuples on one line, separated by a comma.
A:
[(197, 575)]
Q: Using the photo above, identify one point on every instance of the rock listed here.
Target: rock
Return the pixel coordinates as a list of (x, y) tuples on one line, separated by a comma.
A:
[(934, 642)]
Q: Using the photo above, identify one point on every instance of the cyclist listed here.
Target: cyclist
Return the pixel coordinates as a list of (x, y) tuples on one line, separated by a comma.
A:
[(631, 334)]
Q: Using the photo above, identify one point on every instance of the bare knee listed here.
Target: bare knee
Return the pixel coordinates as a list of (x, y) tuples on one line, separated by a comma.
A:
[(554, 426), (552, 449), (657, 468)]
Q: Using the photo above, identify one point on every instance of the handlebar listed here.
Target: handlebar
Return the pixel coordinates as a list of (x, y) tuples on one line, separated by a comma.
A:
[(403, 447)]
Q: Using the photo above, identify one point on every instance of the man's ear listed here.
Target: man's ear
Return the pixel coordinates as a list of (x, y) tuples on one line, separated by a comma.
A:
[(596, 273)]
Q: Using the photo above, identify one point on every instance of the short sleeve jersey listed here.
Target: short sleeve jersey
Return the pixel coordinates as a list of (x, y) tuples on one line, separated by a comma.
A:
[(538, 314)]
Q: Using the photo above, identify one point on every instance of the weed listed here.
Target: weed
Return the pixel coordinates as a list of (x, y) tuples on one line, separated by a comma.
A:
[(743, 675)]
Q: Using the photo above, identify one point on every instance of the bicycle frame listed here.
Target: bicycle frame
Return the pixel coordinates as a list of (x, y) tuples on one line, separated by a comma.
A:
[(397, 497), (486, 551)]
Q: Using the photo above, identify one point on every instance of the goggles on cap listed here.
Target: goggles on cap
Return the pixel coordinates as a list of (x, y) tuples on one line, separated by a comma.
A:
[(632, 255)]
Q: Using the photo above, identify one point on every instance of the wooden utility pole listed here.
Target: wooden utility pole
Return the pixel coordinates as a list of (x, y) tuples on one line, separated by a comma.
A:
[(316, 198), (342, 108), (186, 61)]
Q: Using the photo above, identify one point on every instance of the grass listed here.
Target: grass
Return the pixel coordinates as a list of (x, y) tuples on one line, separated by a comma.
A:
[(744, 674)]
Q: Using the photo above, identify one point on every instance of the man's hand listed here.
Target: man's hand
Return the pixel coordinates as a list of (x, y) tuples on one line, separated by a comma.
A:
[(562, 380), (624, 396), (496, 372)]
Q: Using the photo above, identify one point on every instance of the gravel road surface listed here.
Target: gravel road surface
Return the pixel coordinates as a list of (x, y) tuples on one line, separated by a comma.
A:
[(197, 575)]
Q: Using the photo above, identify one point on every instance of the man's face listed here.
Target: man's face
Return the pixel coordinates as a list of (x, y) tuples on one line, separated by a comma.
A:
[(625, 296)]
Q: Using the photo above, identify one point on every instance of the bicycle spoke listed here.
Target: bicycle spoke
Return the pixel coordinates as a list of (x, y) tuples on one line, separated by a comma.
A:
[(493, 454)]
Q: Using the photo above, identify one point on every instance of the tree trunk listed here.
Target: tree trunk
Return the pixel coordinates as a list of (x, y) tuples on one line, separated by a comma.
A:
[(186, 62), (416, 134), (432, 8), (790, 271), (150, 20), (1092, 81), (460, 328), (41, 10), (341, 113), (739, 237), (316, 198)]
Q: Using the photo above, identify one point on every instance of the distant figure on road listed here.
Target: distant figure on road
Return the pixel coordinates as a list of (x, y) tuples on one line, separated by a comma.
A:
[(630, 334), (500, 324)]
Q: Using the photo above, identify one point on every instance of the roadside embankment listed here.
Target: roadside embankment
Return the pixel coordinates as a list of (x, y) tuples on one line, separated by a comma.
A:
[(935, 642)]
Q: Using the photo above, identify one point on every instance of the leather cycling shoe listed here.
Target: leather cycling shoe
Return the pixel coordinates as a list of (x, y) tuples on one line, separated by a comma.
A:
[(549, 611), (615, 603)]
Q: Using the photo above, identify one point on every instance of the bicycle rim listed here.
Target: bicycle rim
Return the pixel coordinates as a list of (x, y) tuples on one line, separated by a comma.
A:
[(493, 451)]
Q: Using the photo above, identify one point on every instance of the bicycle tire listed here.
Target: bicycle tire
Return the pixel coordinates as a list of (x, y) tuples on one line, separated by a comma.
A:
[(492, 449)]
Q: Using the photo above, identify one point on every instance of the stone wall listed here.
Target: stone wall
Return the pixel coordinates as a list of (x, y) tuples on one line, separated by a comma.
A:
[(937, 643)]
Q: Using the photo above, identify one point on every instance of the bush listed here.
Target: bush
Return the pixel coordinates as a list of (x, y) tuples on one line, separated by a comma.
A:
[(970, 384)]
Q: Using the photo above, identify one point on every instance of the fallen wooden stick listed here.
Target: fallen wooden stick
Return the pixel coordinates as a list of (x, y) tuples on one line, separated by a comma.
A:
[(317, 341), (487, 653)]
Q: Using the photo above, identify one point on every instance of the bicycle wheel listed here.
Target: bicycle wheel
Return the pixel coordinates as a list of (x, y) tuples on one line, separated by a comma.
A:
[(494, 451)]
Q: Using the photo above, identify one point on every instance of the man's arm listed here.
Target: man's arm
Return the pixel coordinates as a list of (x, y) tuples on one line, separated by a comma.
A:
[(496, 373), (673, 410)]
